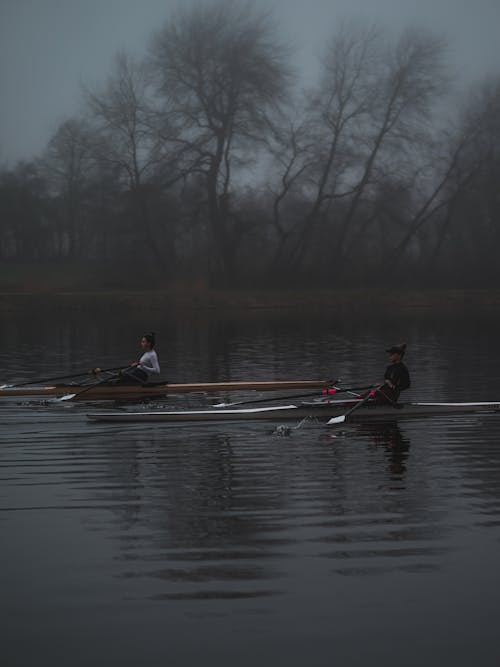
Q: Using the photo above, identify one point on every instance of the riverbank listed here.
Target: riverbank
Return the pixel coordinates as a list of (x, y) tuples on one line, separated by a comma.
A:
[(77, 286), (307, 301)]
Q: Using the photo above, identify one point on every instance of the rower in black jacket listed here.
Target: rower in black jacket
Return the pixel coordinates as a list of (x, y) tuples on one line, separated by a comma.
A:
[(396, 378)]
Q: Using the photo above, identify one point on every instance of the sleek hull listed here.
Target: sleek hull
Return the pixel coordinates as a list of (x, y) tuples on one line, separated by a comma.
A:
[(299, 411)]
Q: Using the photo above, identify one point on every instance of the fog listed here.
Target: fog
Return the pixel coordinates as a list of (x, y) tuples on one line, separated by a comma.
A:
[(252, 143), (48, 48)]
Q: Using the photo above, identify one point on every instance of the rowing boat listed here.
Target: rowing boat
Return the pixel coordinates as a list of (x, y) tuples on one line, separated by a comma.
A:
[(120, 392), (318, 409)]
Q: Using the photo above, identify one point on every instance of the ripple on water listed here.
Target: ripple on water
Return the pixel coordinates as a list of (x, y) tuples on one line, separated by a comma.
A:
[(199, 524)]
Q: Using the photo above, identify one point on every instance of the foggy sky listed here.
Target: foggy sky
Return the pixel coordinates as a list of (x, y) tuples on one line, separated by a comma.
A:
[(48, 48)]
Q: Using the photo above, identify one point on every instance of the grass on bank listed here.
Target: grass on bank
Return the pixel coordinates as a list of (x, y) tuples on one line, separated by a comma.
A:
[(136, 284)]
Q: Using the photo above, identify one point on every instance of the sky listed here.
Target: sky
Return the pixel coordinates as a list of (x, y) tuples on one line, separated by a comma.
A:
[(49, 48)]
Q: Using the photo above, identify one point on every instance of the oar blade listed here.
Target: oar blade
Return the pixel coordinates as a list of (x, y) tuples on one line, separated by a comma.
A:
[(336, 420), (66, 397)]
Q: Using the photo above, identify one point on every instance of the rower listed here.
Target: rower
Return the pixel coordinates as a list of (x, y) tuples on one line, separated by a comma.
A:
[(396, 378), (148, 365)]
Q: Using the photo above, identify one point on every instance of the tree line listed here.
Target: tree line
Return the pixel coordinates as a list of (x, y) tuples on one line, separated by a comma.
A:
[(208, 160)]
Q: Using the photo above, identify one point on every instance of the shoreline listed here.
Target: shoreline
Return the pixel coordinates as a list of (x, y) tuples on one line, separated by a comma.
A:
[(408, 300)]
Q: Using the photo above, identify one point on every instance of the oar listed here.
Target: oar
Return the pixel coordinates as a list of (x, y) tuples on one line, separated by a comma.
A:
[(263, 400), (341, 419), (70, 397), (54, 379), (326, 392)]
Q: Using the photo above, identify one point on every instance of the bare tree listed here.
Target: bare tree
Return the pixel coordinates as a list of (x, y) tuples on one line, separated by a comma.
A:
[(367, 177), (462, 156), (293, 155), (470, 198), (23, 193), (411, 81), (221, 66), (371, 109), (337, 112), (66, 162), (130, 137)]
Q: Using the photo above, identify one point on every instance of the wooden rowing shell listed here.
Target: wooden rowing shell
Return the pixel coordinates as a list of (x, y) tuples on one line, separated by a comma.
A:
[(104, 392)]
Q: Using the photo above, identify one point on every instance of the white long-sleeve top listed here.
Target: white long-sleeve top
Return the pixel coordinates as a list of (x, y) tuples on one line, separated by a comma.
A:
[(149, 363)]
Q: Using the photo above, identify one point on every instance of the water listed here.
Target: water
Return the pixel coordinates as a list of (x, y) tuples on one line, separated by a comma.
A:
[(225, 544)]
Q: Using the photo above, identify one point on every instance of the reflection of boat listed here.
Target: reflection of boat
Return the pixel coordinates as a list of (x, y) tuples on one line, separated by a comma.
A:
[(111, 392), (318, 409)]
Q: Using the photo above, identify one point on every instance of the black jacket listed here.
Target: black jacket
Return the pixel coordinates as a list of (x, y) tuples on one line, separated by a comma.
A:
[(398, 374)]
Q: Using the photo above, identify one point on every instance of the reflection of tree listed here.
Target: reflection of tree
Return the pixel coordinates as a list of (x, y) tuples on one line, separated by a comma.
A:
[(226, 512), (193, 513)]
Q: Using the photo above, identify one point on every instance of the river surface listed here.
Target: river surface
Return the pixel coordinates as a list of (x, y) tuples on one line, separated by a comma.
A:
[(227, 544)]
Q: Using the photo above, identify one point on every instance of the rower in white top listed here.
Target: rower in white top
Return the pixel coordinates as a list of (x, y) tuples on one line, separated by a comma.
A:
[(148, 365)]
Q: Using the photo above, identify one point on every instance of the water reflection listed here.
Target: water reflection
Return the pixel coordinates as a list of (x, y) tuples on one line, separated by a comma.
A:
[(173, 523), (192, 512), (212, 514), (395, 442)]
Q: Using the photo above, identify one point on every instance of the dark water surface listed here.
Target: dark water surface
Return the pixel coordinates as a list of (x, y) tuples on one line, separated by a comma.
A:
[(227, 545)]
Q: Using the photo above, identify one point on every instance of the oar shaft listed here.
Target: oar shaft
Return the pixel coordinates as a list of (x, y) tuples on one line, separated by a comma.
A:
[(341, 419), (70, 397), (61, 377), (325, 392)]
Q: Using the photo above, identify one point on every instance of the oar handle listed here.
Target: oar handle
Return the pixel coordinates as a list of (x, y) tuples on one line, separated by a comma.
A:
[(70, 397), (364, 400), (121, 369), (331, 391)]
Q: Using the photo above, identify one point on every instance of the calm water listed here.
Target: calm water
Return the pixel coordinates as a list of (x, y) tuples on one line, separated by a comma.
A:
[(227, 545)]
